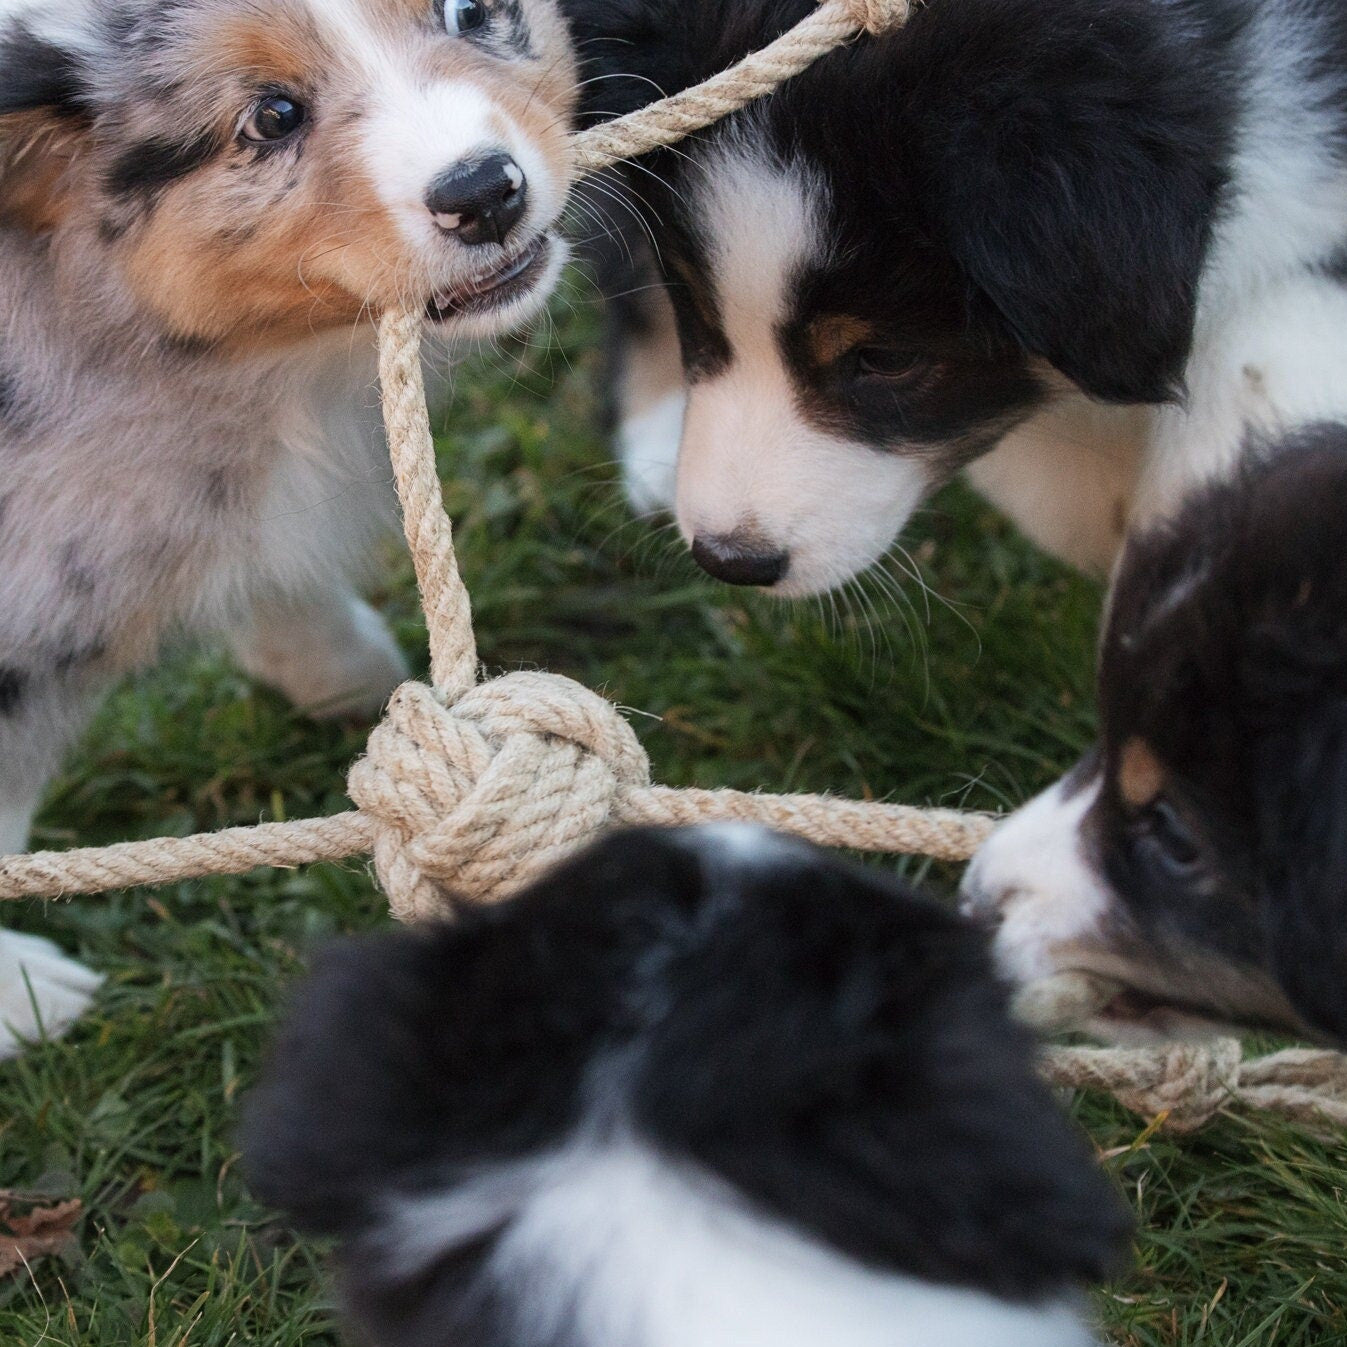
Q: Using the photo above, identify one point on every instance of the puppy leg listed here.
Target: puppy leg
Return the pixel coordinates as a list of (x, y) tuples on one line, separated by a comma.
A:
[(1066, 478), (651, 401), (42, 992), (328, 651), (644, 367)]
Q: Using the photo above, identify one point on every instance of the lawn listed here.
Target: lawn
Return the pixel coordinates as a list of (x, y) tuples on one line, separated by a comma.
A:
[(961, 677)]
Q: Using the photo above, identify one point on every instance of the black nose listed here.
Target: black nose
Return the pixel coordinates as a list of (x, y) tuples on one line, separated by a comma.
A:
[(480, 202), (740, 561)]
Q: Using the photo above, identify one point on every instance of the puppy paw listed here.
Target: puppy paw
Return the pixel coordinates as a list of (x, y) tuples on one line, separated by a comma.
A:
[(333, 664), (648, 446), (42, 991)]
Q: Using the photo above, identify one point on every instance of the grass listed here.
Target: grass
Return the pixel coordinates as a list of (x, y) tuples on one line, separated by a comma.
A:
[(976, 698)]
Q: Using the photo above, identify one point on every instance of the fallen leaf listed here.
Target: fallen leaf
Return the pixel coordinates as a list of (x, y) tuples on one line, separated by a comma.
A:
[(39, 1232)]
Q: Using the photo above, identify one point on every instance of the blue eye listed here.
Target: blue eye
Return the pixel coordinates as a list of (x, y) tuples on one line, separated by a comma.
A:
[(462, 16), (274, 118)]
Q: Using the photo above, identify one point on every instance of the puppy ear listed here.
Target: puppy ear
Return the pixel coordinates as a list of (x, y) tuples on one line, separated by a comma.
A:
[(845, 1057), (44, 117), (1073, 165)]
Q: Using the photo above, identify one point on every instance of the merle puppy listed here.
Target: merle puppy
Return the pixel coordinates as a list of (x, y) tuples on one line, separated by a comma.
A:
[(698, 1089), (202, 204), (1199, 854), (1079, 248)]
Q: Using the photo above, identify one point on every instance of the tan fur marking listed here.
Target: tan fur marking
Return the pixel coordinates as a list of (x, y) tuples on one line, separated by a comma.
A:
[(36, 159), (286, 50), (1141, 775), (831, 337)]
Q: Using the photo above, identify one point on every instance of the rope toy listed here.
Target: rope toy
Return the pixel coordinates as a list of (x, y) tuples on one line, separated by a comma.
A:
[(477, 787)]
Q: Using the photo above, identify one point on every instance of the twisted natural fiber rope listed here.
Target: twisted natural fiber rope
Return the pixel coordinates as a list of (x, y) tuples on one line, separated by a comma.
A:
[(476, 787), (1190, 1083), (673, 119)]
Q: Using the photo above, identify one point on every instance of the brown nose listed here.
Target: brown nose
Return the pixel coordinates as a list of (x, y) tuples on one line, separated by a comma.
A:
[(479, 202), (739, 561)]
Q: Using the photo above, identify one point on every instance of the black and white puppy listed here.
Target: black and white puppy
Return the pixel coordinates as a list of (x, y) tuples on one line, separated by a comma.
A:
[(1080, 248), (697, 1089), (1199, 854)]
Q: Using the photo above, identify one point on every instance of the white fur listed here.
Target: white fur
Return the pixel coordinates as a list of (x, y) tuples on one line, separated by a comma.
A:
[(647, 443), (746, 844), (42, 992), (610, 1244), (749, 461), (329, 653), (1033, 877), (1274, 363), (417, 129)]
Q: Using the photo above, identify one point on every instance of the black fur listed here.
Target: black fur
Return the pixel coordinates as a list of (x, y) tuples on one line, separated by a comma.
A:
[(1336, 266), (832, 1046), (1226, 654), (11, 406), (36, 74), (143, 169), (13, 687)]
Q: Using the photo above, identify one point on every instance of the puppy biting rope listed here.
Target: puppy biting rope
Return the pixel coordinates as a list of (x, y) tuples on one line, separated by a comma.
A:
[(477, 787)]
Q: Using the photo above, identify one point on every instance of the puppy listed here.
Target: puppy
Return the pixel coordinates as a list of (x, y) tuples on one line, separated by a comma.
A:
[(1079, 248), (696, 1089), (202, 203), (1199, 854)]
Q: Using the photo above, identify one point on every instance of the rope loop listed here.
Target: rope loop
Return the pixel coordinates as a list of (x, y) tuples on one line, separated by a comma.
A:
[(878, 16), (1186, 1084), (481, 797)]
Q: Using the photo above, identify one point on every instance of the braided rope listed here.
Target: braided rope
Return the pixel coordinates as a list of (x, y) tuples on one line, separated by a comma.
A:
[(477, 787)]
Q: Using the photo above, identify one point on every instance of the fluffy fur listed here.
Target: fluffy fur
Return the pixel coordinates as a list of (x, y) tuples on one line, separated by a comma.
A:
[(699, 1089), (1198, 854), (189, 433), (1080, 248)]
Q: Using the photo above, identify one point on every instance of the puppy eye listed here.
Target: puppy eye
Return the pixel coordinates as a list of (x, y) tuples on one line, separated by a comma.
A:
[(274, 118), (1177, 849), (462, 16), (893, 366)]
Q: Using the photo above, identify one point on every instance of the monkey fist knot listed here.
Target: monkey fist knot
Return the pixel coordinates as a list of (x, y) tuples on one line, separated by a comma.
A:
[(478, 798)]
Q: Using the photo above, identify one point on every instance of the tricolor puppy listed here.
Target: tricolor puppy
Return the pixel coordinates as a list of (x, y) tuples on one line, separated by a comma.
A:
[(1079, 248), (202, 202), (698, 1089), (1199, 854)]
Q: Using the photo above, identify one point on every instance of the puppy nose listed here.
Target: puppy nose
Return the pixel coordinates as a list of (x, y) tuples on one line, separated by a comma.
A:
[(738, 561), (481, 201)]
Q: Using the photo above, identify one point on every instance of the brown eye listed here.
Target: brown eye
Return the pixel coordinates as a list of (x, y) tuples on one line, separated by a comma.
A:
[(274, 118), (895, 366)]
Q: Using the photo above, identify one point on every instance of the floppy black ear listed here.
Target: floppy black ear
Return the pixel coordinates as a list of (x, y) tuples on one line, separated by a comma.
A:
[(1073, 165)]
